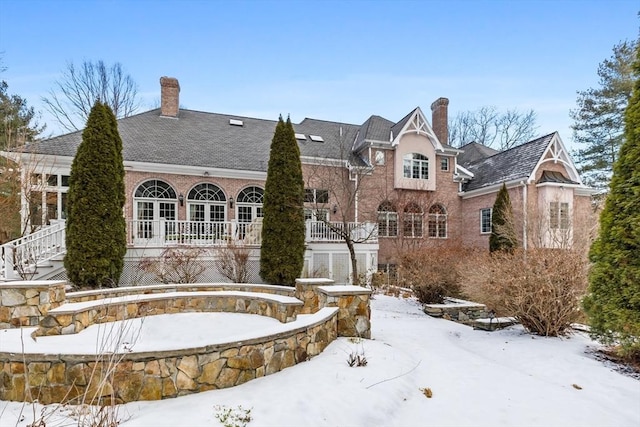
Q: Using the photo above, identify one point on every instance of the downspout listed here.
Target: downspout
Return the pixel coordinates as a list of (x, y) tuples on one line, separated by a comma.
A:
[(355, 201), (524, 215)]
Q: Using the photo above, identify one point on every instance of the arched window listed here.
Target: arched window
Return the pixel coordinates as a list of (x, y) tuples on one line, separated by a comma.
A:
[(250, 204), (153, 200), (412, 220), (437, 221), (387, 220), (415, 166), (207, 202)]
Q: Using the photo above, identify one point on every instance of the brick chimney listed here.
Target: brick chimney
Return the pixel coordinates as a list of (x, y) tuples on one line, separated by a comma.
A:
[(439, 117), (169, 96)]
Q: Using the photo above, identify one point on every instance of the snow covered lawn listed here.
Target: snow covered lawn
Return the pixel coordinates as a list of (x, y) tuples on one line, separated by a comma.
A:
[(503, 378)]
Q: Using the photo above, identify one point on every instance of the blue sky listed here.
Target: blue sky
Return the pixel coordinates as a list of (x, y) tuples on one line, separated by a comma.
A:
[(331, 60)]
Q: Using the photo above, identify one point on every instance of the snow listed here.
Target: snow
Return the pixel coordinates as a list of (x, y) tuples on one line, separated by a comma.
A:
[(478, 378)]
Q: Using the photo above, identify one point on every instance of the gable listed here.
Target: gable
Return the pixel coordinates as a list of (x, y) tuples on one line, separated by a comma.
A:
[(415, 123)]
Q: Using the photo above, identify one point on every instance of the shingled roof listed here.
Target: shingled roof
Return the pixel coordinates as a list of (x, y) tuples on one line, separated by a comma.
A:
[(209, 140), (515, 163)]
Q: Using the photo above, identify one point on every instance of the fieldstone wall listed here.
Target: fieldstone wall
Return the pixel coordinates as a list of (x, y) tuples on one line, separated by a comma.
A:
[(74, 317), (307, 292), (458, 310), (26, 303), (159, 375), (354, 315)]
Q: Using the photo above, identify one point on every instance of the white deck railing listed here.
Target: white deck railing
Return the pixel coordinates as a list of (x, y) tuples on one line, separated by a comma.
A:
[(201, 233), (22, 255)]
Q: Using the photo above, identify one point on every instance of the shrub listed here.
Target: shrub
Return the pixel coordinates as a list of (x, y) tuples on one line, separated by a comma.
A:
[(432, 273), (176, 265), (541, 288), (233, 262)]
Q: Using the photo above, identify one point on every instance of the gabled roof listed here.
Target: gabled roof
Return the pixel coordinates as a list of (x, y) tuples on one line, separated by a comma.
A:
[(208, 140), (515, 163)]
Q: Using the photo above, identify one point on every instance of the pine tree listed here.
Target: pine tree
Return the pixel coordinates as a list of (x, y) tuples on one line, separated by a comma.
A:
[(599, 119), (503, 234), (96, 228), (283, 229), (613, 300)]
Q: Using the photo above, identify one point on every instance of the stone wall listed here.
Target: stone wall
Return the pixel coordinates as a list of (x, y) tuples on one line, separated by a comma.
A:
[(457, 310), (331, 311), (74, 317), (26, 303), (161, 374)]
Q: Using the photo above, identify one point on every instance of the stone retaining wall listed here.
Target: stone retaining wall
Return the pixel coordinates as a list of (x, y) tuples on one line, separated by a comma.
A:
[(162, 374), (74, 317), (457, 310), (26, 303), (354, 315)]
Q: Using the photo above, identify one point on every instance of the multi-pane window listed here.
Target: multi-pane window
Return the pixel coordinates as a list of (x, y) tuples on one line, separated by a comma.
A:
[(485, 221), (387, 220), (559, 215), (437, 222), (444, 164), (155, 200), (207, 202), (379, 157), (415, 166), (312, 195), (412, 220)]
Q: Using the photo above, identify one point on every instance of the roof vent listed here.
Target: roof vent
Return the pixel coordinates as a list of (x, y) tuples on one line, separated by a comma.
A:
[(301, 136), (236, 122), (316, 138)]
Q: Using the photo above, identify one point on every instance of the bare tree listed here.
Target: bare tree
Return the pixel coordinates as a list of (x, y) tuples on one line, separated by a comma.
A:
[(489, 127), (75, 93), (343, 180)]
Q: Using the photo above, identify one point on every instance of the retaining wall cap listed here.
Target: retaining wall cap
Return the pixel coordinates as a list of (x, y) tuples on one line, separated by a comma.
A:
[(316, 281), (344, 290), (31, 284), (80, 306)]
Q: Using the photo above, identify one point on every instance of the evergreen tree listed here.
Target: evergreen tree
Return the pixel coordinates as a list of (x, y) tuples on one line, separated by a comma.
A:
[(613, 301), (96, 229), (599, 119), (503, 234), (283, 228)]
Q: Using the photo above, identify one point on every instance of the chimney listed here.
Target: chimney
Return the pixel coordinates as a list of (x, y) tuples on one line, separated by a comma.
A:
[(439, 117), (169, 96)]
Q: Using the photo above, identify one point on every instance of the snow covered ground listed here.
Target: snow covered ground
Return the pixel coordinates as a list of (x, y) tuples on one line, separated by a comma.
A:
[(477, 378)]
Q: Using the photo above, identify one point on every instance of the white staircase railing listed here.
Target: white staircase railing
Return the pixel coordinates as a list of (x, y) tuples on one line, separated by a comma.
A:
[(21, 256)]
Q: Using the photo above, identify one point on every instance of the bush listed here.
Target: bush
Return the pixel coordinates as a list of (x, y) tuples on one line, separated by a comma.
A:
[(176, 265), (432, 273), (541, 288)]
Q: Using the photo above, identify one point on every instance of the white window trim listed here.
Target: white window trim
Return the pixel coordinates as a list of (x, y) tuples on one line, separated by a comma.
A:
[(490, 220)]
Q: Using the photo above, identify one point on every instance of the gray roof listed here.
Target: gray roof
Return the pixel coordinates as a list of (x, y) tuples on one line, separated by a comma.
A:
[(514, 163), (555, 177), (208, 140), (474, 151)]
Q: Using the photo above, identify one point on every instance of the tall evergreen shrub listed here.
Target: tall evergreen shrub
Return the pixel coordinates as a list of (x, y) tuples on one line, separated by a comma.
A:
[(613, 299), (96, 228), (283, 227), (503, 234)]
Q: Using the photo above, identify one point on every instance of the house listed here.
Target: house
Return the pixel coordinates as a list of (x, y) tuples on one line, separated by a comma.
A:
[(196, 178)]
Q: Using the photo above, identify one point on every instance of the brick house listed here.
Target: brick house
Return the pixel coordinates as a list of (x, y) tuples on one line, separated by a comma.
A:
[(197, 178)]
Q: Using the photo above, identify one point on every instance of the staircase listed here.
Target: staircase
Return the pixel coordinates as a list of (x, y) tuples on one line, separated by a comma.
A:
[(37, 256)]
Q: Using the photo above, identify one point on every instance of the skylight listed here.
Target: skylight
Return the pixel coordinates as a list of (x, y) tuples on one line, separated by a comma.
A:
[(236, 122), (301, 136), (316, 138)]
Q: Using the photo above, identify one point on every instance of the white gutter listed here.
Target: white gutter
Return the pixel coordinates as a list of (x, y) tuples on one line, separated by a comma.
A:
[(524, 215)]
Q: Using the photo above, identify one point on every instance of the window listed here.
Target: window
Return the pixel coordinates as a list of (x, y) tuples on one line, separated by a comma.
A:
[(249, 208), (154, 200), (379, 157), (206, 202), (312, 195), (485, 221), (52, 180), (412, 220), (415, 166), (559, 215), (387, 220), (437, 222), (444, 164)]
